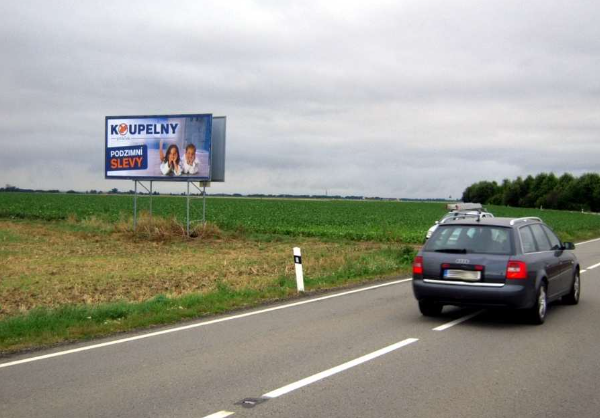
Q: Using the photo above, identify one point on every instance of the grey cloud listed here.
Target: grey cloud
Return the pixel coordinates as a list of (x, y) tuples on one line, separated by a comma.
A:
[(411, 98)]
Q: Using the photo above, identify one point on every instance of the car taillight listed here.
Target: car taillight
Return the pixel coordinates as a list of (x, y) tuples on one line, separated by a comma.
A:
[(418, 265), (516, 270)]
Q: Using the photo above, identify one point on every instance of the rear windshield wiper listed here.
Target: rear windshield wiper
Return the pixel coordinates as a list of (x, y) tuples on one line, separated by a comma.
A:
[(452, 250)]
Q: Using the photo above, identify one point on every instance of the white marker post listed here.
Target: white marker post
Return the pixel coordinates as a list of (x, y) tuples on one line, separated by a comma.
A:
[(299, 275)]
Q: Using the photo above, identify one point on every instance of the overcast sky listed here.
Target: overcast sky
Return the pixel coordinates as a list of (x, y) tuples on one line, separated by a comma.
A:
[(380, 98)]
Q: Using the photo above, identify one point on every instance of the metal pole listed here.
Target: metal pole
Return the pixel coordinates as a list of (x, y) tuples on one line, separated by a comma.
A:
[(135, 205), (204, 204), (188, 208), (150, 201)]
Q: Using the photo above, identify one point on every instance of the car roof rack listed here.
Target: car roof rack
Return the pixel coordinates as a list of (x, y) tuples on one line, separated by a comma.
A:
[(463, 216), (525, 219), (465, 211)]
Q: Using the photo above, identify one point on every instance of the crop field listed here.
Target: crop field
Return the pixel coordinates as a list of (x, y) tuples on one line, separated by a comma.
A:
[(382, 221), (357, 220)]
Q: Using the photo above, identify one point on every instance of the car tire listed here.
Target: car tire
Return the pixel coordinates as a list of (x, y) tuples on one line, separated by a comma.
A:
[(430, 308), (572, 298), (537, 313)]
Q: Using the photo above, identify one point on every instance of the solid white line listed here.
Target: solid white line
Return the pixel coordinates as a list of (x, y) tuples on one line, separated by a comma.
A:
[(582, 271), (456, 322), (593, 267), (201, 324), (587, 242), (220, 414), (319, 376)]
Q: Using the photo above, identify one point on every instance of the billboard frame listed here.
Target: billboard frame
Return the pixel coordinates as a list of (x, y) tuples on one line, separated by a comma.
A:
[(156, 178)]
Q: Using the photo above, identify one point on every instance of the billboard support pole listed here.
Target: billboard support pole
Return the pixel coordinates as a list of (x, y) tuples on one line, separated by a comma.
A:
[(135, 205), (204, 204), (135, 196), (188, 209), (150, 201)]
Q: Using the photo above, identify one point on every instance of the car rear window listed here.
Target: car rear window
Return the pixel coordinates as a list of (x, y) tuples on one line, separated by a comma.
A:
[(470, 239)]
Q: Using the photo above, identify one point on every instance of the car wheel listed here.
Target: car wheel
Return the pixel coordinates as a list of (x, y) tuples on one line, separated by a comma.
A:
[(540, 307), (572, 298), (430, 308)]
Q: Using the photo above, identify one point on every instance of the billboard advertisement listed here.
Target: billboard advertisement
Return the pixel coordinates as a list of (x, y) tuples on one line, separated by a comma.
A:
[(167, 147)]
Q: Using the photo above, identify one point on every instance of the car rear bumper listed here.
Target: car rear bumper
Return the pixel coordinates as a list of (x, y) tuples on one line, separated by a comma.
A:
[(510, 295)]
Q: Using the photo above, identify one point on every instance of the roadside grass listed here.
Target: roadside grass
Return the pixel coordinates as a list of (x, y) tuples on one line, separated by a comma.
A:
[(67, 281)]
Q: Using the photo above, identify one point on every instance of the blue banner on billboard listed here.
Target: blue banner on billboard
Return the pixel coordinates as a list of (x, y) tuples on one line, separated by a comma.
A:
[(127, 158), (174, 147)]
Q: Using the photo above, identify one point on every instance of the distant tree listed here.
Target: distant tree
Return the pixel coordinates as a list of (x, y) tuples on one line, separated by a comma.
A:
[(513, 192), (564, 190), (545, 189), (589, 191), (481, 192), (547, 195), (527, 199)]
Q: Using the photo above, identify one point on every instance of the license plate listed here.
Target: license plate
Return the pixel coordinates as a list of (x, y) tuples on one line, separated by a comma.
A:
[(472, 276)]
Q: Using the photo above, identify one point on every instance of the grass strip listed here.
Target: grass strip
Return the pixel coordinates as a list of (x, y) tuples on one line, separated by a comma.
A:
[(47, 326)]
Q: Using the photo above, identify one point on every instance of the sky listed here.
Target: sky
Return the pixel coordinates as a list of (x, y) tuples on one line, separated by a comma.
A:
[(413, 99)]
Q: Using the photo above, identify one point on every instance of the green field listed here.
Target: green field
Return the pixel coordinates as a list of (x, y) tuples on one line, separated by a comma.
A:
[(380, 221)]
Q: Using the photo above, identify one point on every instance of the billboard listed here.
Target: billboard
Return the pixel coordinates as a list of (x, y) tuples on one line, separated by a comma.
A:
[(163, 147)]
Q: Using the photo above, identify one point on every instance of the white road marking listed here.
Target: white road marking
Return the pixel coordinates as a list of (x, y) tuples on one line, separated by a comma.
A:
[(456, 321), (220, 414), (593, 267), (197, 325), (319, 376), (587, 242), (582, 271)]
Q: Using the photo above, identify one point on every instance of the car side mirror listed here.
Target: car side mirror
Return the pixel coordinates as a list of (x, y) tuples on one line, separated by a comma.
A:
[(568, 246)]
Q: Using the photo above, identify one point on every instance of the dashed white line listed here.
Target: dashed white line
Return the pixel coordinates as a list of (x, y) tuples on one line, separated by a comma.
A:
[(593, 267), (456, 321), (319, 376), (197, 325), (220, 414)]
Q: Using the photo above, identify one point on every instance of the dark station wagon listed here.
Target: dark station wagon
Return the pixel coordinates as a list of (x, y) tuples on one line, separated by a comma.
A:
[(496, 262)]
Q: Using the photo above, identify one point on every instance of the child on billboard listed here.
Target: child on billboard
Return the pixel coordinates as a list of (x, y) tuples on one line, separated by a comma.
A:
[(170, 163), (190, 162)]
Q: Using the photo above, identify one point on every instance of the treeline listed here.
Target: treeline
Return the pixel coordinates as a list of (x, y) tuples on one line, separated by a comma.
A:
[(10, 188), (566, 192)]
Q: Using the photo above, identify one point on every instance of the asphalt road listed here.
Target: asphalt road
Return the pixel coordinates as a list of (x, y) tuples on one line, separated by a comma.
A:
[(368, 353)]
